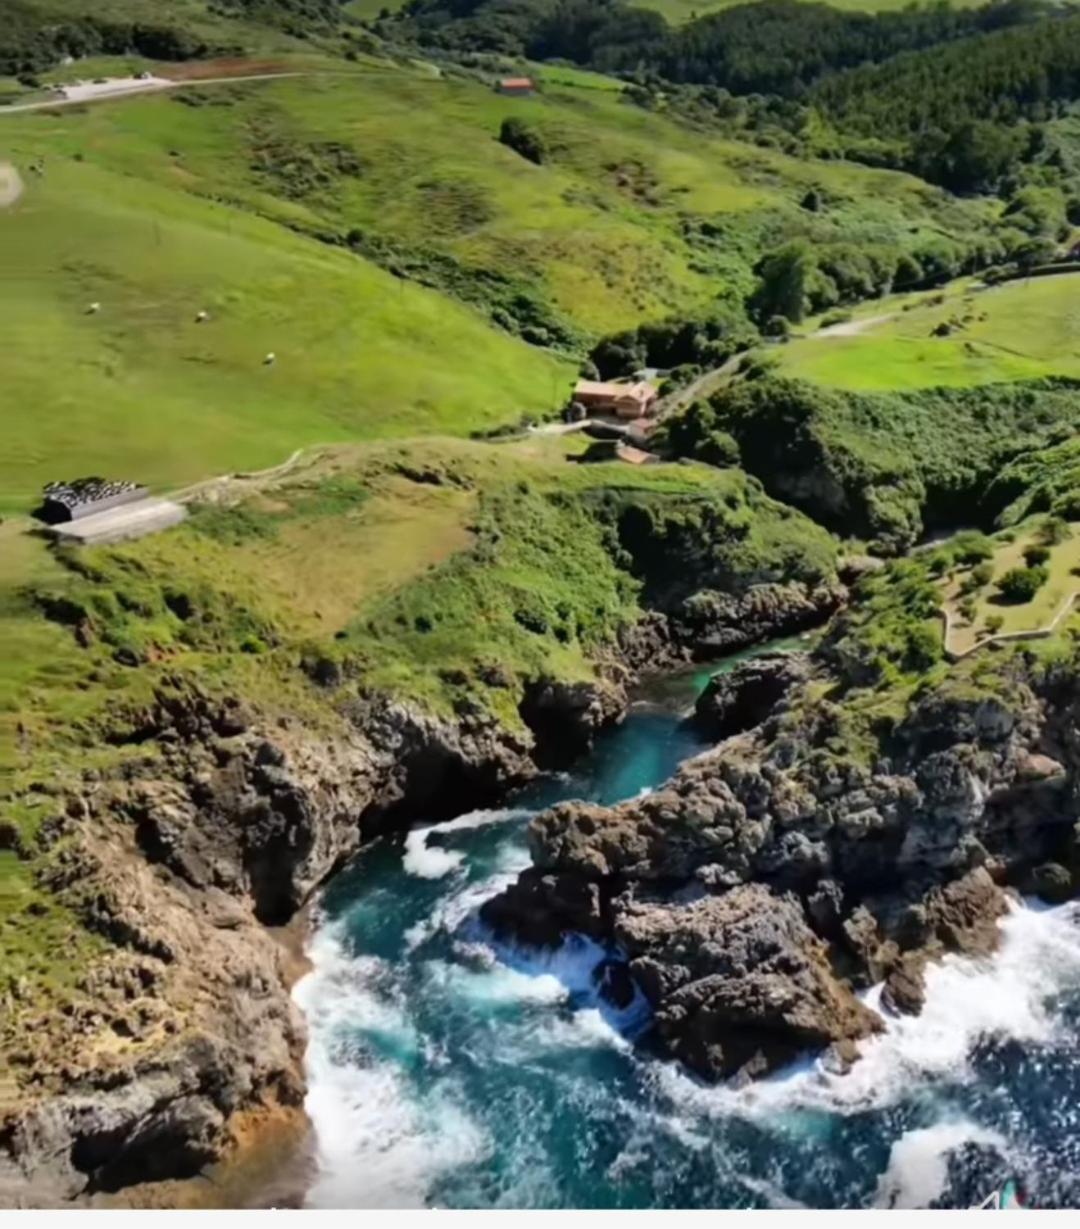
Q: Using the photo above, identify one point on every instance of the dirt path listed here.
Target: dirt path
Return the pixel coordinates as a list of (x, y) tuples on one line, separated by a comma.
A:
[(852, 328), (706, 383), (157, 85), (11, 185)]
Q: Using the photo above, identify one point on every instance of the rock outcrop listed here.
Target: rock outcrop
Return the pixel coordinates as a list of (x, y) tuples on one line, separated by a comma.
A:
[(738, 982), (794, 861), (222, 821), (738, 701)]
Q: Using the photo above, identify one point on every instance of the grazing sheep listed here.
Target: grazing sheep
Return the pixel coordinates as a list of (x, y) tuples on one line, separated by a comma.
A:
[(93, 309), (270, 359), (201, 316)]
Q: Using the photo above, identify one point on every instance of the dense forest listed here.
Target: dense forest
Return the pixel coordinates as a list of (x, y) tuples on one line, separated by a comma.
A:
[(950, 94)]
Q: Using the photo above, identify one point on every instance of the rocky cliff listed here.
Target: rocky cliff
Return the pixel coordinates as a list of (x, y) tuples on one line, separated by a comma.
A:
[(806, 857), (222, 820), (218, 819)]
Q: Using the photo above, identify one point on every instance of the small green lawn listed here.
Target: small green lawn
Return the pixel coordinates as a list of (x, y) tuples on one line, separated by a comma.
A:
[(1064, 578)]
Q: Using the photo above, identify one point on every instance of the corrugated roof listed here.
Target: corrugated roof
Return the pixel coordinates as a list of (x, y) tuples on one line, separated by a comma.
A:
[(517, 82)]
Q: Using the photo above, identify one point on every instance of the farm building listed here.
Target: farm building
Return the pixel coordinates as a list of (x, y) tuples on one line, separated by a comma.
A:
[(515, 86), (623, 400), (70, 501)]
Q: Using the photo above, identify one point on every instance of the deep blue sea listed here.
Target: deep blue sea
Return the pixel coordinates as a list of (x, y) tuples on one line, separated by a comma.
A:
[(446, 1071)]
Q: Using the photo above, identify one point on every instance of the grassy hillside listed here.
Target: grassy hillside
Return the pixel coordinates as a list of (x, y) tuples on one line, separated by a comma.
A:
[(1018, 330), (604, 233), (142, 389)]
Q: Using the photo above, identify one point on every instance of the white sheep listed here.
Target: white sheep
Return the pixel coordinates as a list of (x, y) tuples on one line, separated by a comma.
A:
[(201, 316), (270, 359), (93, 309)]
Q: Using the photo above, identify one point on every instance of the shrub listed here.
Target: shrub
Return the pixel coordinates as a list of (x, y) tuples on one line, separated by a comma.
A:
[(523, 139), (1053, 530), (972, 548), (1034, 555), (983, 573), (1021, 584), (994, 623)]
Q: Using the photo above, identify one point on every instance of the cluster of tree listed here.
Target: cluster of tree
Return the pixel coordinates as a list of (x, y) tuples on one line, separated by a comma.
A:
[(297, 17), (29, 45), (784, 46), (955, 113), (772, 47), (803, 278), (883, 465), (706, 341)]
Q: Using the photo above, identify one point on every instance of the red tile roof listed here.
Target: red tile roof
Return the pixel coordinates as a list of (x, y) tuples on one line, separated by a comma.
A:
[(517, 83)]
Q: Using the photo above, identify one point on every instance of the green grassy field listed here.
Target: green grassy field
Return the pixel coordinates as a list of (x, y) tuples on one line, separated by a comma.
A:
[(1019, 330), (599, 231), (141, 389)]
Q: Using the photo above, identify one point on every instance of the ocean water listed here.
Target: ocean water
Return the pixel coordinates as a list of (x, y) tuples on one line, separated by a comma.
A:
[(445, 1070)]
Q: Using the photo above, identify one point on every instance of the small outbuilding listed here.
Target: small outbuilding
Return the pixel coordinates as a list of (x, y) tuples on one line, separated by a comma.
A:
[(71, 501), (516, 87)]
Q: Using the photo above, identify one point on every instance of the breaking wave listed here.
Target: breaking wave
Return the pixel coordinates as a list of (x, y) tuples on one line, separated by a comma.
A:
[(445, 1069)]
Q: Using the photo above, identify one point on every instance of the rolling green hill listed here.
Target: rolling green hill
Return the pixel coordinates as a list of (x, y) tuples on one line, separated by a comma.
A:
[(220, 198), (1018, 330)]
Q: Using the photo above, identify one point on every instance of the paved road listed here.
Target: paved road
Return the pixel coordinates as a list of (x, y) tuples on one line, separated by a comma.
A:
[(153, 86), (11, 185)]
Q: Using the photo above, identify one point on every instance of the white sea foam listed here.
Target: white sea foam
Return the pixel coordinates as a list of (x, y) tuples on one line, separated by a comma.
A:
[(434, 861), (376, 1144), (966, 1001), (918, 1166)]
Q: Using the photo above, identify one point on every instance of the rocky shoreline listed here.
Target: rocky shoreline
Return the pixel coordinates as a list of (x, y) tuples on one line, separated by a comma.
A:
[(182, 1054), (775, 876)]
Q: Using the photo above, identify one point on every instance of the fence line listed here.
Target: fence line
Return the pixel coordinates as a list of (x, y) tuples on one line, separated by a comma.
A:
[(1041, 633)]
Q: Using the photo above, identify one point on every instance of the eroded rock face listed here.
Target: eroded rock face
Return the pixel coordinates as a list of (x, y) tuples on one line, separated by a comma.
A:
[(742, 699), (738, 982), (772, 871), (228, 823)]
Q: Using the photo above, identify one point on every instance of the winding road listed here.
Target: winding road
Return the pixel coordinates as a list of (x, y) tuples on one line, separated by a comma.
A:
[(153, 86)]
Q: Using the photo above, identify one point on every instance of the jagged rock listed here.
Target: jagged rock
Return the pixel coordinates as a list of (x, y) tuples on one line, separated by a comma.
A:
[(713, 623), (824, 908), (738, 982), (905, 990), (566, 717), (741, 699), (540, 910)]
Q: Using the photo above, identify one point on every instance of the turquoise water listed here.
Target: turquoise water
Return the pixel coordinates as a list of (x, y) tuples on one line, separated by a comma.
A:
[(447, 1071)]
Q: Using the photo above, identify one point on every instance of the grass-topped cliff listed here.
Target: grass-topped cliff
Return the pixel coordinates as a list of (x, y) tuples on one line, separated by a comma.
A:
[(448, 574)]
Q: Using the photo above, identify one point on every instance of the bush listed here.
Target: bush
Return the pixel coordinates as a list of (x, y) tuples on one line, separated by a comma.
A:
[(972, 548), (1053, 530), (523, 139), (994, 623), (1021, 584), (1034, 555), (983, 573)]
